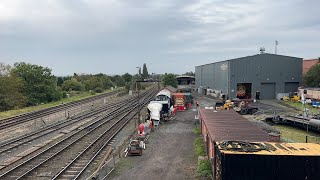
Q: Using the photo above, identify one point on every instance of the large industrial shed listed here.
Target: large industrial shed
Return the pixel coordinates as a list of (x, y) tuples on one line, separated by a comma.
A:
[(245, 77)]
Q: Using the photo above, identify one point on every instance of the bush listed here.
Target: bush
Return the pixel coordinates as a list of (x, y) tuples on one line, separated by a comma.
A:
[(204, 168), (92, 92), (64, 94), (199, 147), (98, 90)]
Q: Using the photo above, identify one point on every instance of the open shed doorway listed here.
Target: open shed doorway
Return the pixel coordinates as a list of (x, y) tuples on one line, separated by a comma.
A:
[(244, 90)]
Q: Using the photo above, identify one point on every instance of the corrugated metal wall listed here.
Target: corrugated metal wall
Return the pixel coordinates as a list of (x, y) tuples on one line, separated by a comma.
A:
[(215, 76), (256, 69), (198, 74), (265, 68)]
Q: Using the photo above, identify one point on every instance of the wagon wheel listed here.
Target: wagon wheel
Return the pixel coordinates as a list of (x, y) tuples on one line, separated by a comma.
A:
[(244, 111)]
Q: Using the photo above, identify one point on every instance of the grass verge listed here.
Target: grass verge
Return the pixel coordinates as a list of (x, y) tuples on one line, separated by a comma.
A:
[(293, 134), (203, 166), (199, 147), (7, 114), (204, 169), (299, 106), (197, 131)]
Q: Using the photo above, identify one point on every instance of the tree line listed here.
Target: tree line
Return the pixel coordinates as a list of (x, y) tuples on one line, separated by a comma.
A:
[(25, 84), (312, 77)]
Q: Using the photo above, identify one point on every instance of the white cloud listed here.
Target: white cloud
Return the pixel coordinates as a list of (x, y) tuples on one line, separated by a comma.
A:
[(114, 35)]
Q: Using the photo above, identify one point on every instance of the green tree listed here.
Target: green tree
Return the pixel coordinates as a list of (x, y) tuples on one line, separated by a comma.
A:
[(105, 81), (145, 73), (312, 78), (60, 81), (127, 77), (189, 73), (11, 95), (92, 82), (40, 84), (118, 80), (169, 80), (72, 85)]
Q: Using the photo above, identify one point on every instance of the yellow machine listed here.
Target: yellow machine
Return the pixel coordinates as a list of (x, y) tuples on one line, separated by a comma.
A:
[(294, 97), (228, 105)]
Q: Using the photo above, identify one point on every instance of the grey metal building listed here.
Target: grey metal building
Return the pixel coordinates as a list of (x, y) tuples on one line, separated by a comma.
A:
[(245, 77)]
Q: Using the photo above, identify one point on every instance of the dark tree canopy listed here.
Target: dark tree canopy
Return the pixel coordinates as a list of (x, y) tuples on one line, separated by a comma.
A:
[(312, 78), (11, 94), (127, 77), (40, 84), (60, 81), (169, 80), (118, 80), (145, 73), (189, 73), (72, 85), (11, 89)]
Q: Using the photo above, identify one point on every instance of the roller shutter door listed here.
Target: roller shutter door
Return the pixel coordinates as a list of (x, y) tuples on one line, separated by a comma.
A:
[(268, 90), (291, 87)]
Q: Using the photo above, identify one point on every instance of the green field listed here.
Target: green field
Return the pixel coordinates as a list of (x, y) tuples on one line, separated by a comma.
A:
[(11, 113), (293, 134)]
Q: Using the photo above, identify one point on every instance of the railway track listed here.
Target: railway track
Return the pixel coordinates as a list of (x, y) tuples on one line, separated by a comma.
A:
[(12, 121), (47, 130), (73, 151)]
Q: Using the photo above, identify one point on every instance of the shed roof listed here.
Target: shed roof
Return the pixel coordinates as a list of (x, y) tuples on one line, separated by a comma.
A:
[(264, 54), (231, 126), (185, 76), (165, 92)]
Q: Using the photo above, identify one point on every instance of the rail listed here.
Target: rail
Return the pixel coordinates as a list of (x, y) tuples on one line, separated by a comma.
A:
[(18, 170), (12, 121)]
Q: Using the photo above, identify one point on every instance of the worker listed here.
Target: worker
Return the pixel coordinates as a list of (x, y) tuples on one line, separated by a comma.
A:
[(141, 130), (147, 117), (257, 95)]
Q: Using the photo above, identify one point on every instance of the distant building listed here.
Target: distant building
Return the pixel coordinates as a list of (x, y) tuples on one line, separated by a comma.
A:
[(308, 63), (264, 75), (186, 83)]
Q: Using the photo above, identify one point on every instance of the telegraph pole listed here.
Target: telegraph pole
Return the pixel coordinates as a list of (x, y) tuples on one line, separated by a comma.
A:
[(139, 104), (158, 82), (276, 47), (138, 88)]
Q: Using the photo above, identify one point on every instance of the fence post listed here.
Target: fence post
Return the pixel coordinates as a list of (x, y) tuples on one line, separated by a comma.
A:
[(114, 159), (306, 139)]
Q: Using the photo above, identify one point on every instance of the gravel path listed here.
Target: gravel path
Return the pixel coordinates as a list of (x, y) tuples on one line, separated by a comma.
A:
[(168, 155)]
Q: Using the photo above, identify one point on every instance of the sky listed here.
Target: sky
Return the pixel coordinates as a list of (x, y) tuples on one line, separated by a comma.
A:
[(173, 36)]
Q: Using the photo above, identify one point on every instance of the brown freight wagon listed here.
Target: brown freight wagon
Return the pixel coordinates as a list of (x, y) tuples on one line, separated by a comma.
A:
[(280, 161), (228, 125)]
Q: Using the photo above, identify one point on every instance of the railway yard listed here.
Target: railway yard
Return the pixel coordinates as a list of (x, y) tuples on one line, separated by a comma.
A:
[(69, 148), (95, 138)]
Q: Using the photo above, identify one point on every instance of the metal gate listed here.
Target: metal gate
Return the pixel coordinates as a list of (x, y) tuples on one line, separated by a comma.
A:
[(268, 90)]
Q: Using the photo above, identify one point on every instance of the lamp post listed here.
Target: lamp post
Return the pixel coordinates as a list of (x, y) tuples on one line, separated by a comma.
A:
[(138, 77)]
